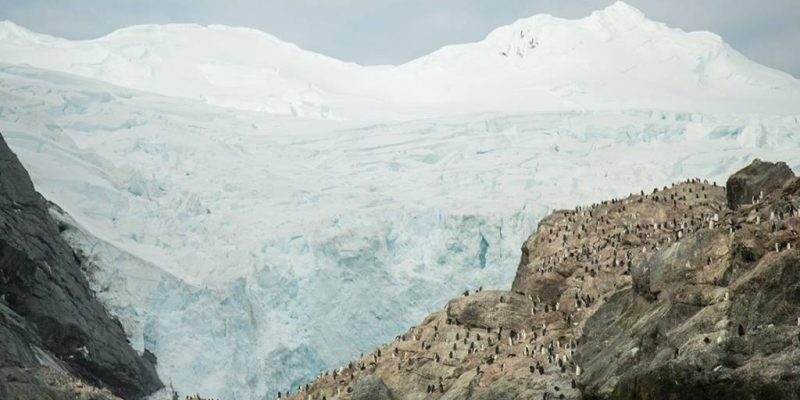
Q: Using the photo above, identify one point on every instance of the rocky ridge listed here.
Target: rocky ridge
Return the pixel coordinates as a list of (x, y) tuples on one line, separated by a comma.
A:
[(690, 291), (57, 340)]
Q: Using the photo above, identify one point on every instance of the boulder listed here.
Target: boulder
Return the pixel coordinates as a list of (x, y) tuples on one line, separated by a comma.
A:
[(760, 177), (490, 309), (371, 387)]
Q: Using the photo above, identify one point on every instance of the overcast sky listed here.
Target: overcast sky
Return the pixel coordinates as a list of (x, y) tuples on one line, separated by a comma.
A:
[(395, 31)]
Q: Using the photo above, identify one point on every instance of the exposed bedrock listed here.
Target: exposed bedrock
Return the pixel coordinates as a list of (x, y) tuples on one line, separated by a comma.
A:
[(53, 330)]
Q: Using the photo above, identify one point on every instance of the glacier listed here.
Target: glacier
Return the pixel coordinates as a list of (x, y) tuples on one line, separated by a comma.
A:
[(249, 262), (254, 220)]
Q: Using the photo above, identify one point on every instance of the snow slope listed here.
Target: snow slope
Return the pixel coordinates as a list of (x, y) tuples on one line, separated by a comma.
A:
[(611, 60), (255, 213)]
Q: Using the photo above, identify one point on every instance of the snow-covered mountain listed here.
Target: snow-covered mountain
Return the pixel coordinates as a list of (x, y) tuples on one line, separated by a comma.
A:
[(249, 248), (613, 59)]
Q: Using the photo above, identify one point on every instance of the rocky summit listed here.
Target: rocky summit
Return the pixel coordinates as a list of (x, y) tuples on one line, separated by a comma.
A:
[(57, 340), (684, 292)]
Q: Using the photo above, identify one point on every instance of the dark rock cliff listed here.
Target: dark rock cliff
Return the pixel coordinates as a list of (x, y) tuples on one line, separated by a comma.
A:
[(684, 292), (52, 328)]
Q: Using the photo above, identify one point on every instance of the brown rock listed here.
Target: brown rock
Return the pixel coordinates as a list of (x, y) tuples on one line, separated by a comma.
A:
[(758, 178), (490, 309)]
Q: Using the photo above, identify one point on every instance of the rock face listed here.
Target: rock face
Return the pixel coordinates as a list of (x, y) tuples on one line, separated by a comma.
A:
[(54, 332), (716, 315), (687, 292), (756, 180)]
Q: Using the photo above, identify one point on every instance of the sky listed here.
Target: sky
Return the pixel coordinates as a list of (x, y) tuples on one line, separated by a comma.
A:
[(396, 31)]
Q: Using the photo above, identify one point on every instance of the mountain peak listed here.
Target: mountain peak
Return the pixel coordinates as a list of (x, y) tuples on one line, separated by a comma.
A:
[(544, 32), (621, 8), (8, 28), (10, 31), (622, 15)]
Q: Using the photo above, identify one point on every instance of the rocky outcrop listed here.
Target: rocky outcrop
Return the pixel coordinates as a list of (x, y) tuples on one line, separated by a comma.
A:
[(716, 315), (757, 179), (54, 332), (687, 292)]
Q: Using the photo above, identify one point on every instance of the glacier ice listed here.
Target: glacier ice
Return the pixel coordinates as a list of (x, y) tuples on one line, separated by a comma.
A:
[(250, 251)]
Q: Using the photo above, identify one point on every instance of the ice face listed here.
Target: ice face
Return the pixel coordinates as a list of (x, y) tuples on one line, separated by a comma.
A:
[(250, 252)]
